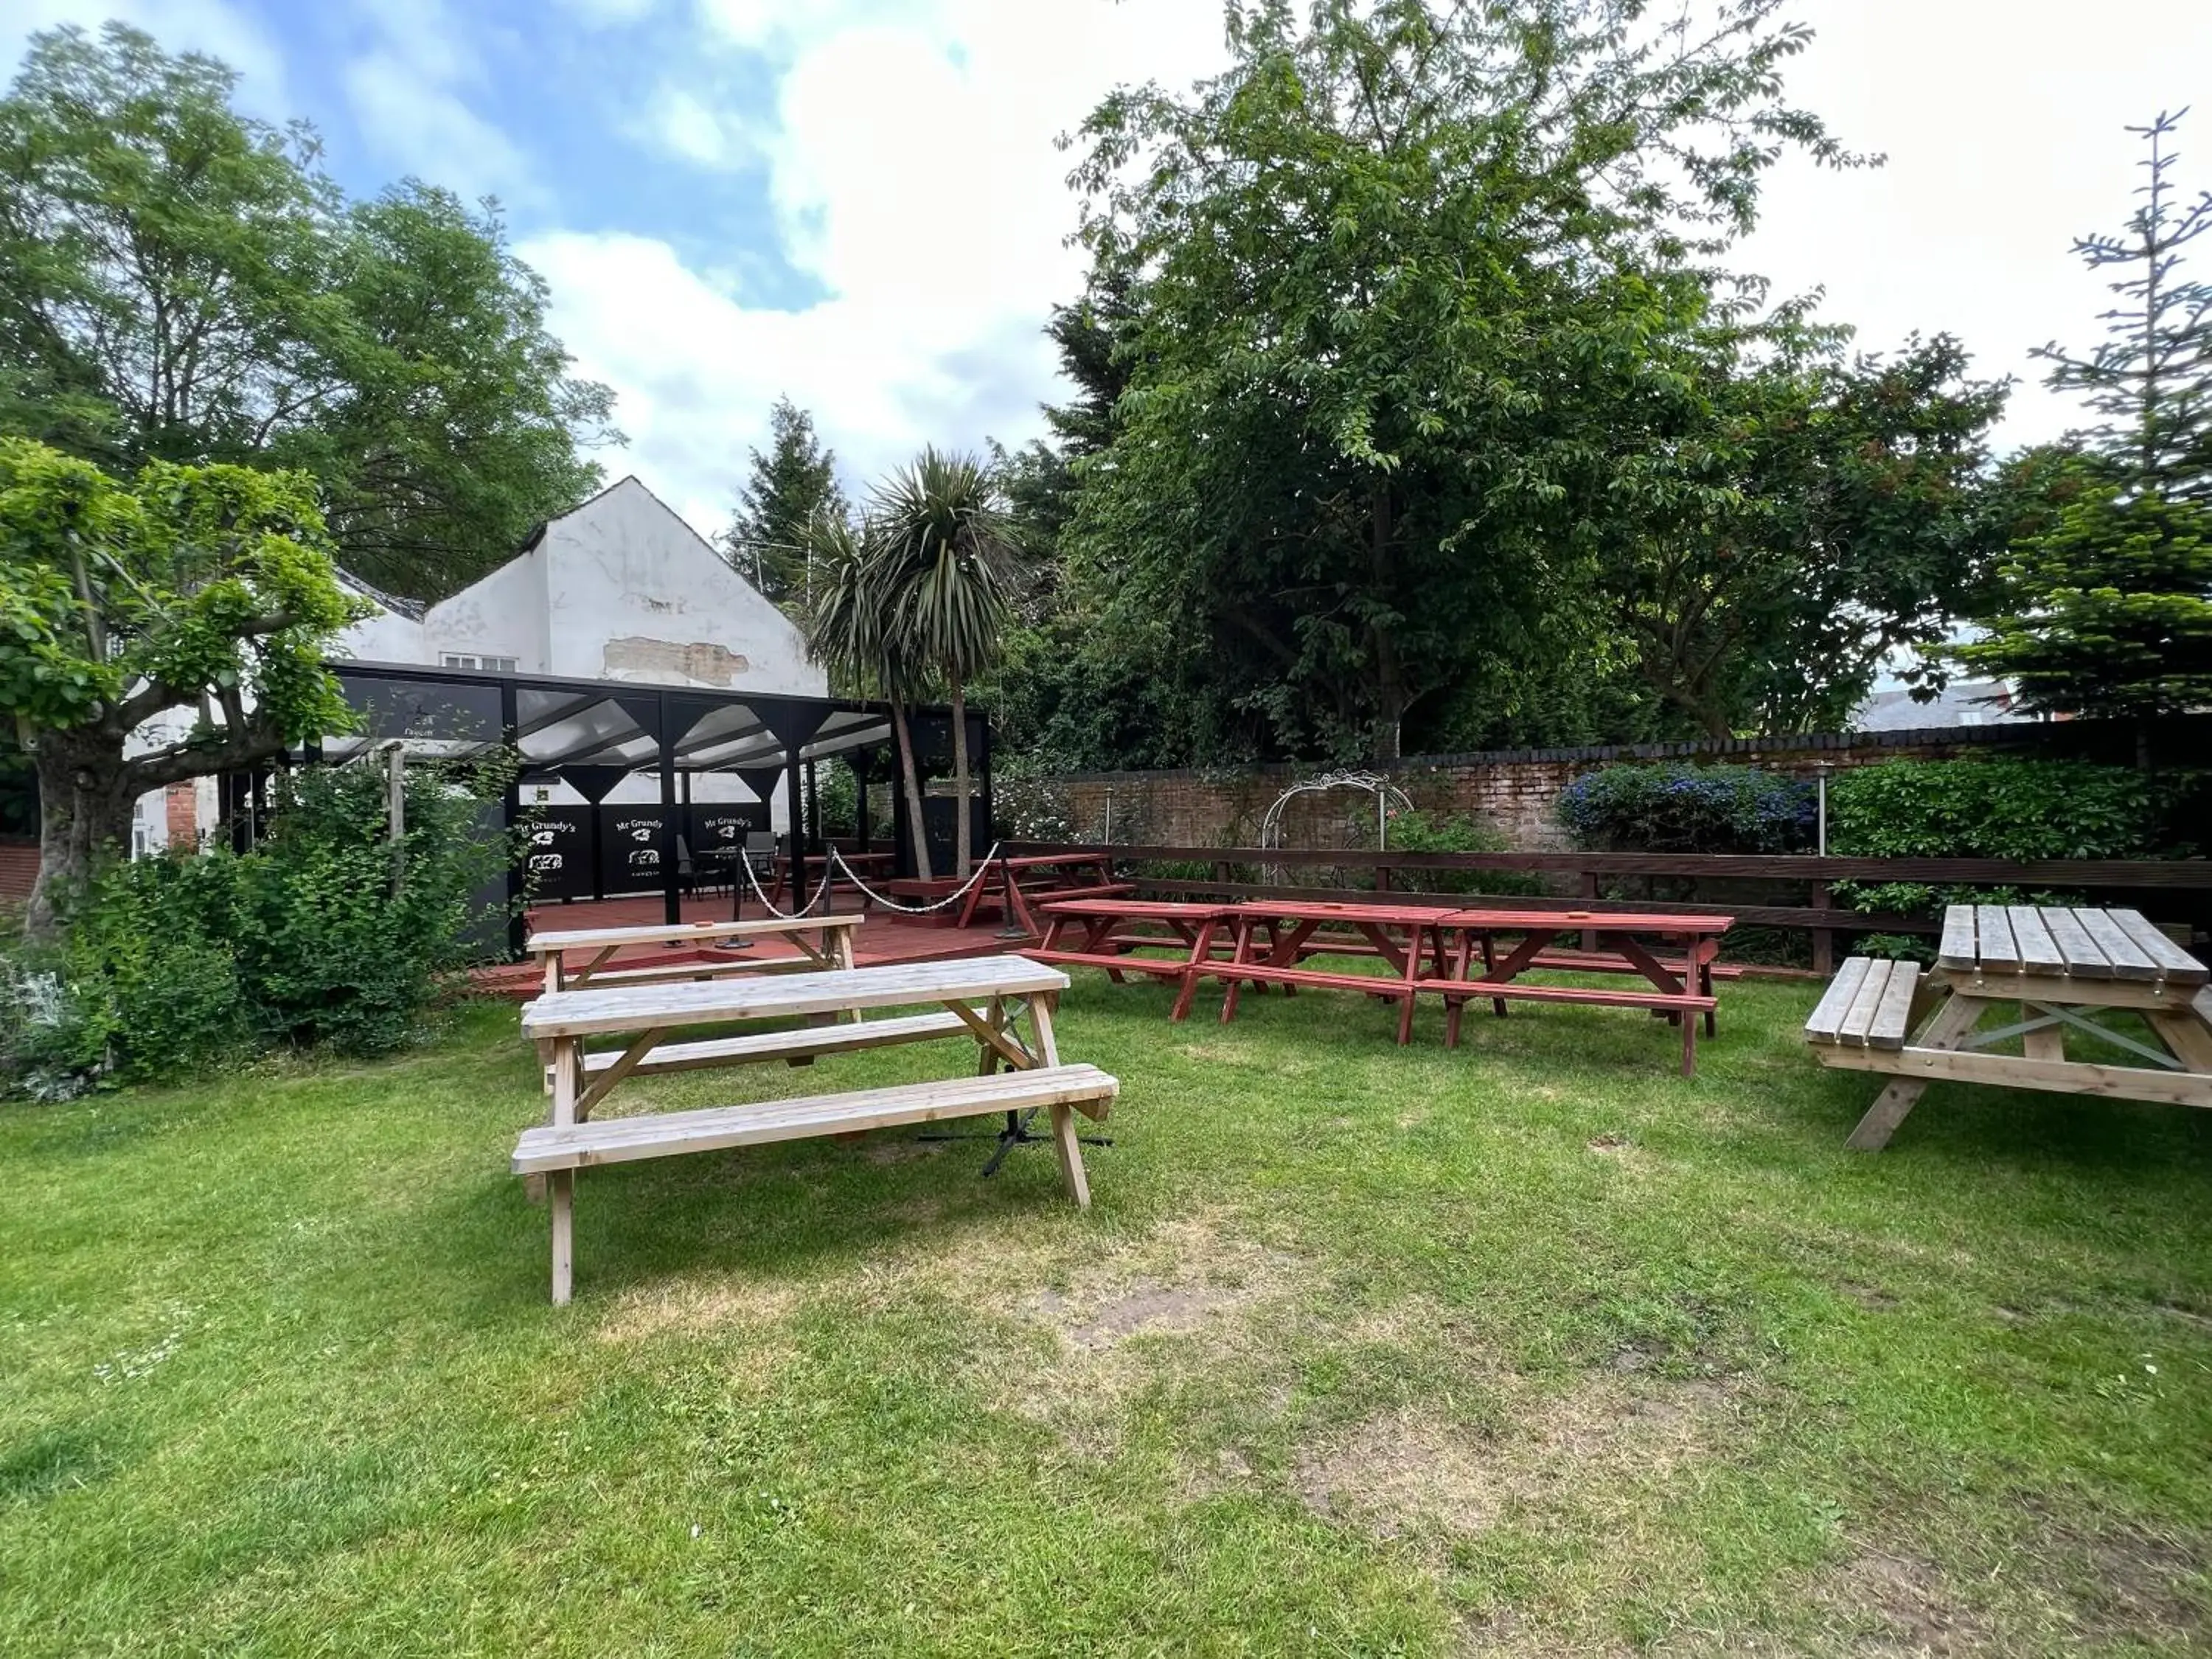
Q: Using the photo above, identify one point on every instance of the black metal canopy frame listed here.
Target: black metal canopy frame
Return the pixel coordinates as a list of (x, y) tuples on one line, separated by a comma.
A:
[(594, 734)]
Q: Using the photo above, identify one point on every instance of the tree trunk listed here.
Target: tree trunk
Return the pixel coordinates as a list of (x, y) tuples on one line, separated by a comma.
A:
[(961, 806), (912, 779), (1390, 697), (85, 799)]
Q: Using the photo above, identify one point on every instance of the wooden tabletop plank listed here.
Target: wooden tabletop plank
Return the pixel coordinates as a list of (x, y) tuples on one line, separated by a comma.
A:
[(1859, 1020), (2083, 959), (710, 1002), (1827, 1023), (1137, 910), (1503, 920), (684, 932), (2179, 967), (1894, 1012), (1956, 952), (1994, 949), (2128, 959), (2038, 951)]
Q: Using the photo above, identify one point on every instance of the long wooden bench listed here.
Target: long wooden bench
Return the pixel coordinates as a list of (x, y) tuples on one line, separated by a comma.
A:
[(1869, 1005), (559, 1151), (796, 1048)]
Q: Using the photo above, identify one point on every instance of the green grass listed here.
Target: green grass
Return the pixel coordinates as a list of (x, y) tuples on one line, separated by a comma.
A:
[(1534, 1348)]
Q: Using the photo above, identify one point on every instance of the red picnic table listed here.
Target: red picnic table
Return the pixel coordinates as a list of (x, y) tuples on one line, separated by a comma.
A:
[(1105, 932), (1289, 925), (1682, 984), (1022, 876)]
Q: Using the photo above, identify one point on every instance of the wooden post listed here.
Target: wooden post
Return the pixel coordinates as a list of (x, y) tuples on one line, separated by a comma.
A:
[(1824, 940), (561, 1187), (396, 811), (1589, 891)]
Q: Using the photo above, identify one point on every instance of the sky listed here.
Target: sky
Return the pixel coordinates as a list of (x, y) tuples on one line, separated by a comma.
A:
[(859, 203)]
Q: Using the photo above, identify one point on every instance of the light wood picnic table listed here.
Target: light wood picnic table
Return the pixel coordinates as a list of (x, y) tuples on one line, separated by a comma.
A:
[(1106, 933), (2058, 969), (989, 998), (1614, 941), (823, 941)]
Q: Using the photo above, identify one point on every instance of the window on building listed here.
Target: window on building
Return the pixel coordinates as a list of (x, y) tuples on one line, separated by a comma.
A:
[(488, 664)]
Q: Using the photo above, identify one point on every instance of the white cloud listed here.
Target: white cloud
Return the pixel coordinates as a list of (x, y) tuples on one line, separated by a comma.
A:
[(2003, 123), (407, 96), (914, 176), (607, 13), (686, 124)]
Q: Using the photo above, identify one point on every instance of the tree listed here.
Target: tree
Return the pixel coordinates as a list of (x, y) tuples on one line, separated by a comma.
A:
[(1390, 279), (204, 590), (181, 282), (852, 631), (788, 488), (948, 563), (2107, 610), (1793, 519)]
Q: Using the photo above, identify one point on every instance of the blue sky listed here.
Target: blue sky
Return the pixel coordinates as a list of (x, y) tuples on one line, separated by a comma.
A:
[(732, 199)]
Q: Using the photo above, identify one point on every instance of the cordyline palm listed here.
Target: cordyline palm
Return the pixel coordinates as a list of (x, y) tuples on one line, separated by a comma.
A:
[(949, 558), (852, 630)]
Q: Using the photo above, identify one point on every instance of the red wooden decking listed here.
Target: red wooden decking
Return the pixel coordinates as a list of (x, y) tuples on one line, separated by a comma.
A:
[(881, 937)]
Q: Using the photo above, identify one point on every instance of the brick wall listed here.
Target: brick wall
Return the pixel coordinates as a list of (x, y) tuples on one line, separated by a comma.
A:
[(19, 868), (1515, 790)]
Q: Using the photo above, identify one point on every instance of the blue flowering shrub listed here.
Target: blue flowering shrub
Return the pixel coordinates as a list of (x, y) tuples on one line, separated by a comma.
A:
[(1679, 808)]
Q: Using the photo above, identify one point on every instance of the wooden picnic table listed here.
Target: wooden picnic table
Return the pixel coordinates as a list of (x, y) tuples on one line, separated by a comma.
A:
[(2058, 967), (1612, 941), (1022, 876), (823, 941), (989, 998), (1106, 933), (1290, 924)]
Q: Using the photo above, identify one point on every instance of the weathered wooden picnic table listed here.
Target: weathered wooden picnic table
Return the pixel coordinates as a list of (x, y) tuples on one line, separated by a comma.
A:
[(2058, 967), (1106, 933), (1680, 972), (1273, 935), (823, 941), (1019, 877), (989, 998)]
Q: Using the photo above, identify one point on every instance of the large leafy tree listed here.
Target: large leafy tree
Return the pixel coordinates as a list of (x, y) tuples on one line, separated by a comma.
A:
[(181, 282), (2108, 609), (786, 490), (1794, 518), (194, 605), (1392, 276)]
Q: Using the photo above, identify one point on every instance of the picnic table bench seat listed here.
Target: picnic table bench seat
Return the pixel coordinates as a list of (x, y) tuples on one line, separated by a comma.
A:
[(1868, 1003), (549, 1148), (800, 1047)]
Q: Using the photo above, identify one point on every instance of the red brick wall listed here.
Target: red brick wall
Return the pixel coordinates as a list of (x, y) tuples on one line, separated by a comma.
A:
[(1514, 791), (184, 815)]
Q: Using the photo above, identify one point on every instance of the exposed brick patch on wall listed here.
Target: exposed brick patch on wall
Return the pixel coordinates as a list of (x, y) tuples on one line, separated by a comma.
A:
[(19, 868), (184, 815), (1515, 790)]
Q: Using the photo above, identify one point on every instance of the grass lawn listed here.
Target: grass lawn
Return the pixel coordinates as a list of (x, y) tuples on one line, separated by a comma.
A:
[(1532, 1348)]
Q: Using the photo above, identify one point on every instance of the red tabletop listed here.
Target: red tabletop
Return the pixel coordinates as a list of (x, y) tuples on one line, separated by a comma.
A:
[(1618, 921), (1136, 909), (1375, 915)]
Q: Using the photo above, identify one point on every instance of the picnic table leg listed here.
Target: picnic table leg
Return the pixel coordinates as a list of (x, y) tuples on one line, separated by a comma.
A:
[(1237, 959), (1070, 1149), (1689, 1047), (1414, 946), (1456, 1006), (1201, 957), (544, 1047), (1946, 1028), (560, 1186), (2187, 1036)]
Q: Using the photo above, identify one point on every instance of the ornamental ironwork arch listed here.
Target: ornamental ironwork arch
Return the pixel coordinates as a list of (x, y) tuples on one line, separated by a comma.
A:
[(1386, 794)]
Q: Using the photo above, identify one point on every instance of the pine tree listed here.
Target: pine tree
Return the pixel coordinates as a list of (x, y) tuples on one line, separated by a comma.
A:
[(2109, 609), (790, 486)]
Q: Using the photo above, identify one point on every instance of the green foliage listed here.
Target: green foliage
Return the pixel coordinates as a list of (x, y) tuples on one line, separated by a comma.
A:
[(1678, 808), (189, 959), (181, 282), (787, 489), (2002, 809), (1419, 831)]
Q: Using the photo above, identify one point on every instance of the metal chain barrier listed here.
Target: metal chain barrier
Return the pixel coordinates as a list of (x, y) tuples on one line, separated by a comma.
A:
[(946, 902)]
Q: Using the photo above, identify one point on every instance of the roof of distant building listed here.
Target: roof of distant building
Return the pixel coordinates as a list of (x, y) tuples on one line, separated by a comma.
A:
[(1962, 702), (413, 609)]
